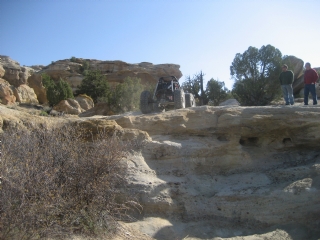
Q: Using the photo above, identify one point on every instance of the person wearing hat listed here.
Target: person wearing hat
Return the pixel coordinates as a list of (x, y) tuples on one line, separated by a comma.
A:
[(286, 80), (310, 78)]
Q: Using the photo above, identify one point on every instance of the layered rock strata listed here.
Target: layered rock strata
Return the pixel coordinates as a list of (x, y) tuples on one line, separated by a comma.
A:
[(240, 170)]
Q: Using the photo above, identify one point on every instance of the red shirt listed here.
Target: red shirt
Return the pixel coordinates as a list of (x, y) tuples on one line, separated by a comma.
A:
[(310, 76)]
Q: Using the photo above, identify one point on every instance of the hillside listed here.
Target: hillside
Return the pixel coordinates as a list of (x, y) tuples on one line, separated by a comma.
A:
[(216, 172)]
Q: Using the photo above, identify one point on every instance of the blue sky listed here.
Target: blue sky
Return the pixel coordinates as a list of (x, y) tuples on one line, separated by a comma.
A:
[(199, 35)]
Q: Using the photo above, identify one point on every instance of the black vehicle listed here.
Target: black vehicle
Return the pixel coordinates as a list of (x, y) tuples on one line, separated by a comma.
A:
[(167, 95)]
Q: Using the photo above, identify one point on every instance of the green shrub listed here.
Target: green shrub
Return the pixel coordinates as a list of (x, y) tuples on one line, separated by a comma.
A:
[(95, 85), (47, 80), (55, 184), (43, 113), (84, 69), (56, 92), (126, 96), (73, 59)]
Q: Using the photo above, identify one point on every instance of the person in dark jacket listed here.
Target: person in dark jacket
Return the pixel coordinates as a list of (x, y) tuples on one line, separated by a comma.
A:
[(286, 80), (310, 78)]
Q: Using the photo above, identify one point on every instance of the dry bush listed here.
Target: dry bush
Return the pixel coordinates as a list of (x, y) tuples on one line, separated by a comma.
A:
[(54, 183)]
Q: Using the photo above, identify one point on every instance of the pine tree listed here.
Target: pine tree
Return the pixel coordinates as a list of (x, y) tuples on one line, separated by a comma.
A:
[(56, 92)]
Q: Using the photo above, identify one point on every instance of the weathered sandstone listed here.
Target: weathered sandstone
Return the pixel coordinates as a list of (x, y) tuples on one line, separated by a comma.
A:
[(229, 170), (13, 72), (217, 172), (7, 96), (25, 94)]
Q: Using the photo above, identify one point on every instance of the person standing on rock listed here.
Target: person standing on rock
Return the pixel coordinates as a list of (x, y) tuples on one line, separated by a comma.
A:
[(310, 78), (286, 80)]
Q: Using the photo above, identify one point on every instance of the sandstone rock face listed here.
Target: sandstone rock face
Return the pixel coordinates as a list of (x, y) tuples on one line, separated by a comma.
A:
[(74, 81), (35, 82), (7, 96), (2, 71), (218, 172), (14, 73), (25, 94), (218, 167), (115, 71)]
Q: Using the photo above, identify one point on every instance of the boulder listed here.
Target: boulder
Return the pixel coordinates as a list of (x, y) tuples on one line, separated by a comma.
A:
[(70, 106), (298, 85), (98, 109), (85, 102), (295, 64), (7, 96), (230, 102), (25, 94)]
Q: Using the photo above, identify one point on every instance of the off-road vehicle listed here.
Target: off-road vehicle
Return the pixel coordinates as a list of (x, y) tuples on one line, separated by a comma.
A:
[(167, 95)]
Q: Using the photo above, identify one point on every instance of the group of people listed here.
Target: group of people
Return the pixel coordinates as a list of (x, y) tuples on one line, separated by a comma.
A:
[(310, 77)]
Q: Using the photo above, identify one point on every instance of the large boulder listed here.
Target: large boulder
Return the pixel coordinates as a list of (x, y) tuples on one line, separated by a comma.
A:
[(98, 109), (296, 65), (85, 102), (70, 106), (25, 94), (7, 96)]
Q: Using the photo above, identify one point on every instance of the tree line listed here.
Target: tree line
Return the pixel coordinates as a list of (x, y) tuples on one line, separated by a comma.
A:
[(256, 79)]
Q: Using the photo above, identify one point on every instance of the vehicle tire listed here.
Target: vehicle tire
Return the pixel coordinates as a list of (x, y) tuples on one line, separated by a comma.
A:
[(179, 99), (146, 102), (190, 101)]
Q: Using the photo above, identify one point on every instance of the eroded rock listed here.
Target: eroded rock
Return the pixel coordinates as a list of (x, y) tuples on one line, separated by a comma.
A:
[(25, 94), (7, 96)]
